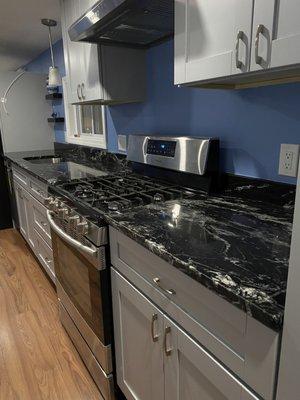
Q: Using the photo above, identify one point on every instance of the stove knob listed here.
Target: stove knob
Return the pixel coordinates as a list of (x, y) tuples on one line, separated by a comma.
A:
[(82, 228), (62, 212), (73, 221), (53, 205), (47, 201)]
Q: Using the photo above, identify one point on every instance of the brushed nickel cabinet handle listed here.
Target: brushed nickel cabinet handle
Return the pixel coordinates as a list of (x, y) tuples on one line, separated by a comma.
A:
[(81, 90), (78, 94), (260, 31), (155, 337), (168, 350), (167, 291), (238, 62)]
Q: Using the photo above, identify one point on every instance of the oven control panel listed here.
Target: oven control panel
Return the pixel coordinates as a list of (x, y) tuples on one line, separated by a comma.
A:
[(165, 148)]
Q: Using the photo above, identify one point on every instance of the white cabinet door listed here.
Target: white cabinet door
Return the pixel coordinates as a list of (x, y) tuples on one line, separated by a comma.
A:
[(91, 88), (212, 38), (74, 51), (192, 373), (286, 41), (31, 238), (21, 206), (138, 328), (276, 34), (263, 23)]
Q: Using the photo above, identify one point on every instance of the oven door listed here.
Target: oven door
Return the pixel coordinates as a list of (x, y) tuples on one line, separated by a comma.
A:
[(81, 272)]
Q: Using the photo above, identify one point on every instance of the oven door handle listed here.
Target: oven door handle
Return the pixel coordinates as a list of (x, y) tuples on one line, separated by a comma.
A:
[(75, 243)]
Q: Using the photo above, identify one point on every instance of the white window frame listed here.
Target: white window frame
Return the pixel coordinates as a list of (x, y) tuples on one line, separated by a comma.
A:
[(73, 132)]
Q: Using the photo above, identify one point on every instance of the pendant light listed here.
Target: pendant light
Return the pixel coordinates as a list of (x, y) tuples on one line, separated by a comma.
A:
[(54, 75)]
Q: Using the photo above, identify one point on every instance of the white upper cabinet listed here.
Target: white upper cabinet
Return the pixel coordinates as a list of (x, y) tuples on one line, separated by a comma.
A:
[(212, 38), (276, 37), (96, 74), (229, 39)]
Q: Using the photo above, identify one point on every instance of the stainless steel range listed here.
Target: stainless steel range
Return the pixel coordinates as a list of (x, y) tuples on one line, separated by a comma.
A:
[(77, 212)]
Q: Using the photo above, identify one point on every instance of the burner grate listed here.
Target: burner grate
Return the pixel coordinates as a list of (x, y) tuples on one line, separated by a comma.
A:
[(119, 193)]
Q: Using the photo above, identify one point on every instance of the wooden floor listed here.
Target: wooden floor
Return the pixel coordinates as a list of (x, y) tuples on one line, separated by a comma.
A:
[(37, 359)]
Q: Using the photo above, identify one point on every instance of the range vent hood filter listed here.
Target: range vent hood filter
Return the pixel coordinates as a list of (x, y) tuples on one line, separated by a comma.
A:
[(134, 23)]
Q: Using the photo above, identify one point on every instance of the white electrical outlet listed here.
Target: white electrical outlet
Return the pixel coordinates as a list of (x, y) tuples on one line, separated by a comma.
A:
[(289, 159)]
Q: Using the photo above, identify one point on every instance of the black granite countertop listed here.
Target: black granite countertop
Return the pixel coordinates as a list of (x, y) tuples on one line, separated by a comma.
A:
[(239, 248), (236, 243), (76, 163)]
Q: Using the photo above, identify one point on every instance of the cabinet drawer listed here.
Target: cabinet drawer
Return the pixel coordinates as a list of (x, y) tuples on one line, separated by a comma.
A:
[(244, 345), (40, 222), (38, 189), (45, 256), (20, 177)]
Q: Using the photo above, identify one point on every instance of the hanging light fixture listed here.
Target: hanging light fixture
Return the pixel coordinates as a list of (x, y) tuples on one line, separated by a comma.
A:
[(54, 75)]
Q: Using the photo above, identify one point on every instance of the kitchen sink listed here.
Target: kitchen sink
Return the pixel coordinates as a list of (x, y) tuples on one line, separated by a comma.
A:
[(44, 160)]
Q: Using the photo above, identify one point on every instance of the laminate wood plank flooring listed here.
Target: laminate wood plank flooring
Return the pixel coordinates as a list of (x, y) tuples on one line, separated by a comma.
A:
[(37, 359)]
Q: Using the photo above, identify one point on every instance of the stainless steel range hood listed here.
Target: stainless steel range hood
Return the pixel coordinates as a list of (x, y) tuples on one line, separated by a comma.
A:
[(134, 23)]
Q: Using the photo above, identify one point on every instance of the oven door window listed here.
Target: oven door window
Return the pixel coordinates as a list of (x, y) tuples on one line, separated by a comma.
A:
[(82, 282)]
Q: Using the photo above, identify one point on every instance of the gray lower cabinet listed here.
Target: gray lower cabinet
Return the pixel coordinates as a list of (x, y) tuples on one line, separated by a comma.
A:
[(21, 207), (157, 360), (138, 332), (33, 224)]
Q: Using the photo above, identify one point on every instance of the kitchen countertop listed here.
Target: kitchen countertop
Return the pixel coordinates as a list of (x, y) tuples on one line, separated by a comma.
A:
[(235, 247), (236, 244), (74, 165)]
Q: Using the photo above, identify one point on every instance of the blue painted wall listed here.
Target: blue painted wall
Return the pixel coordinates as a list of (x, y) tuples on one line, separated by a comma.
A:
[(41, 65), (250, 123)]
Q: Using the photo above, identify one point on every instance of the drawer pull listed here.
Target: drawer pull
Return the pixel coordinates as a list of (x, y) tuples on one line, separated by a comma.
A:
[(167, 291), (48, 261), (168, 350), (155, 337), (43, 223)]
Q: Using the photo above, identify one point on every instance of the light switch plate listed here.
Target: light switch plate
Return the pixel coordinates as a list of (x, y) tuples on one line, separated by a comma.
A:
[(122, 143), (289, 159)]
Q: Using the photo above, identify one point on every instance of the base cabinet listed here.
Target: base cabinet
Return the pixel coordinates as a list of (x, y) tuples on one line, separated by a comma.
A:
[(21, 207), (33, 224), (157, 360), (138, 331)]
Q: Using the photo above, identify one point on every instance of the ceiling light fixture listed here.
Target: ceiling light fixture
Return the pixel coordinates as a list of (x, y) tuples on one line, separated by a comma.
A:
[(54, 75)]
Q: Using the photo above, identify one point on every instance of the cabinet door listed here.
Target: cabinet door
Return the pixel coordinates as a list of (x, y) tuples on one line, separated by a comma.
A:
[(21, 206), (212, 38), (28, 207), (192, 373), (138, 342), (91, 88), (74, 51), (276, 34)]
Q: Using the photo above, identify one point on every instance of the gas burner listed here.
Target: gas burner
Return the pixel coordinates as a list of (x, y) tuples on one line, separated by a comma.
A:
[(117, 193)]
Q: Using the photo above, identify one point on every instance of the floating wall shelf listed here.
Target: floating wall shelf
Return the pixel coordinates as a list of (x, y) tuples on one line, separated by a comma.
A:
[(55, 120), (54, 96)]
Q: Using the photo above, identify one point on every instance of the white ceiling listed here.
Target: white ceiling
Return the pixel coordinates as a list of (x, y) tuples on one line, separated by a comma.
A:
[(22, 36)]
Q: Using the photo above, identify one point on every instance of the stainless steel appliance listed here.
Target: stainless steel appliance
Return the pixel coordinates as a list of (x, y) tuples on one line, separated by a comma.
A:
[(137, 23), (82, 280), (79, 212)]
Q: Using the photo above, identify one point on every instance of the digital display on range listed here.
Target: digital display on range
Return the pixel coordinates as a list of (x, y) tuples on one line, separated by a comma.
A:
[(165, 148)]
